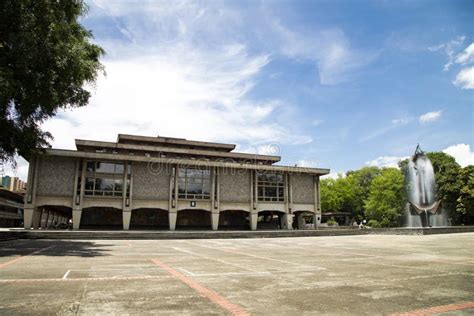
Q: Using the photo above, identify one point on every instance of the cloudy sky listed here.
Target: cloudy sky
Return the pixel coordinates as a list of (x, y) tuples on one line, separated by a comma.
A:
[(335, 84)]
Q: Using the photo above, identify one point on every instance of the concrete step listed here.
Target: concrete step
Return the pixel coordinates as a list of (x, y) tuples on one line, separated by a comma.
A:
[(150, 234)]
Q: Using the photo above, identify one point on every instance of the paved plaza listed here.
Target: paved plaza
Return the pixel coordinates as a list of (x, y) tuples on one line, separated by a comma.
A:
[(369, 274)]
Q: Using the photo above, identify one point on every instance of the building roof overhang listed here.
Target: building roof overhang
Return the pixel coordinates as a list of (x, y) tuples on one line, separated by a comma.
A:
[(82, 144), (126, 138), (185, 162)]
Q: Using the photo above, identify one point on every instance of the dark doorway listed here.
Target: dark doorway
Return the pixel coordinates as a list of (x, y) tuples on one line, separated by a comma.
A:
[(234, 220), (101, 218), (193, 219), (269, 220), (149, 218)]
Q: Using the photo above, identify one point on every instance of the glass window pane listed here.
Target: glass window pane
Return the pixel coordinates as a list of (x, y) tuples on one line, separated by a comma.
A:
[(194, 188), (270, 192), (90, 166), (118, 185), (206, 187), (119, 168), (181, 185), (104, 184), (280, 193), (105, 167), (89, 184)]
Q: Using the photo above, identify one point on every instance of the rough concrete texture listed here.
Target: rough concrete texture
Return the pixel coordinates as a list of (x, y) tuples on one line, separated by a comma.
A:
[(303, 188), (344, 275), (56, 176), (151, 181), (234, 185)]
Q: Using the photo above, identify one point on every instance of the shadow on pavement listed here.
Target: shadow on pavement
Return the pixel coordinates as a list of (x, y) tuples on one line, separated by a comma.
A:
[(54, 248)]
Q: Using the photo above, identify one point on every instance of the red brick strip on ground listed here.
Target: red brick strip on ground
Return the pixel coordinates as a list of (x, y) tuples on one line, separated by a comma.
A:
[(6, 264), (438, 309), (209, 294)]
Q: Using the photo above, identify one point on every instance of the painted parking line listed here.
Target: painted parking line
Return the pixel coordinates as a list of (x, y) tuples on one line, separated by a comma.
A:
[(260, 257), (8, 263), (203, 291), (114, 278), (438, 309)]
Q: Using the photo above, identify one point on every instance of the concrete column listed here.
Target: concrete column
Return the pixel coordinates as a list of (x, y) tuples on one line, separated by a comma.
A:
[(76, 218), (253, 217), (36, 218), (317, 220), (286, 221), (49, 222), (126, 216), (44, 218), (300, 220), (172, 220), (28, 218), (215, 221)]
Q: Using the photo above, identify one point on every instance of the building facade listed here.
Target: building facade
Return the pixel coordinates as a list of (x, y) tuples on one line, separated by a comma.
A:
[(11, 209), (13, 184), (144, 182)]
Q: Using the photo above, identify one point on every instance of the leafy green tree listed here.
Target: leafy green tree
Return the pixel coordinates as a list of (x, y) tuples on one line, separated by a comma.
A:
[(386, 198), (46, 57), (360, 181), (446, 173), (465, 201), (337, 195)]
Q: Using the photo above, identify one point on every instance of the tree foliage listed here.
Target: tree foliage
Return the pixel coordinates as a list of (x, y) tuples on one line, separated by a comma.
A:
[(387, 198), (45, 59)]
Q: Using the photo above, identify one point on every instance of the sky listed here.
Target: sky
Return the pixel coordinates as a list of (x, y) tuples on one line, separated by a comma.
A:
[(330, 84)]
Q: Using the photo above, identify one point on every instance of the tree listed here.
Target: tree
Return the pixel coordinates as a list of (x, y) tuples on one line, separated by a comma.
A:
[(337, 195), (446, 174), (361, 180), (465, 201), (386, 198), (45, 59)]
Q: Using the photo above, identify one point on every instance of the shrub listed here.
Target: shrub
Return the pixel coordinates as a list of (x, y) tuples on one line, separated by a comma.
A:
[(374, 223), (331, 222)]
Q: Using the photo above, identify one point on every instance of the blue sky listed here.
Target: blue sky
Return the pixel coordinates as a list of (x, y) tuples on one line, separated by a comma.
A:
[(334, 84)]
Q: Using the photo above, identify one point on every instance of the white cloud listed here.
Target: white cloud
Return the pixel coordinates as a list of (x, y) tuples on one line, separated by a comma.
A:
[(466, 56), (386, 161), (462, 153), (450, 49), (334, 175), (166, 81), (430, 117), (20, 171), (307, 163), (465, 78)]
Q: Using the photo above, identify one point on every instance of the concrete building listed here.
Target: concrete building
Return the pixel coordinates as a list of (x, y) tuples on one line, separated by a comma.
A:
[(11, 209), (13, 184), (168, 183)]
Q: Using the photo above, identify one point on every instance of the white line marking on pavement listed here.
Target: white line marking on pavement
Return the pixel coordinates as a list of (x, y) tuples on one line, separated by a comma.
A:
[(66, 274), (187, 272), (260, 257), (214, 259)]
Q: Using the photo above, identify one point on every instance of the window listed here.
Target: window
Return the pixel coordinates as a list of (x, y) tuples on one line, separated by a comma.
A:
[(271, 187), (194, 184), (105, 178)]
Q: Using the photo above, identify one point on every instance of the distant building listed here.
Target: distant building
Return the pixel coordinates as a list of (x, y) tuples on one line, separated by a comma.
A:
[(13, 184), (168, 183), (11, 209)]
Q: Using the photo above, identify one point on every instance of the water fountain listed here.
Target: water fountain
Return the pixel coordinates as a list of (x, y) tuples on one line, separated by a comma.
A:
[(423, 208)]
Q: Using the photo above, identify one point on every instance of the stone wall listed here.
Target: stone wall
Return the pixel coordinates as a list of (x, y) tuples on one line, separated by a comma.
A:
[(56, 176), (234, 186), (150, 183), (303, 188)]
